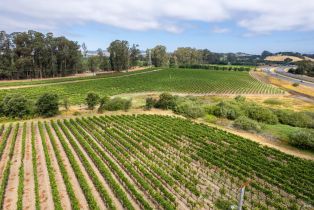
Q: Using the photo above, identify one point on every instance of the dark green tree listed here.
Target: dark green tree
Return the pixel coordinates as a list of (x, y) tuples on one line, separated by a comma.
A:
[(159, 56), (119, 55), (16, 105), (92, 100), (47, 105), (134, 55), (173, 63)]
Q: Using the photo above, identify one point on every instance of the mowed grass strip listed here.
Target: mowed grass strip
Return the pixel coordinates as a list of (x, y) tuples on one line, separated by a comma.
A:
[(171, 80)]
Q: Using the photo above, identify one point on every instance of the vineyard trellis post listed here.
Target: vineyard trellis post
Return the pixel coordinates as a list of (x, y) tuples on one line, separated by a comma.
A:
[(241, 196)]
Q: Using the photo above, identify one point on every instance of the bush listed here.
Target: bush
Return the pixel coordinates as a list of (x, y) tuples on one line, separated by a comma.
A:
[(210, 118), (295, 84), (16, 105), (150, 103), (118, 104), (190, 109), (76, 113), (102, 103), (247, 124), (240, 98), (303, 139), (166, 101), (48, 105), (296, 119), (273, 101), (92, 100), (223, 204), (227, 110), (66, 103), (261, 114)]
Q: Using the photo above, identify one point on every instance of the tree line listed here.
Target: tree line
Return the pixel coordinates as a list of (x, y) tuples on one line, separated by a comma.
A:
[(32, 54), (27, 55)]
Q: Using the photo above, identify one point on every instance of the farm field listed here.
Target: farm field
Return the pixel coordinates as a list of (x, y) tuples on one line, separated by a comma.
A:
[(20, 83), (191, 81), (144, 162)]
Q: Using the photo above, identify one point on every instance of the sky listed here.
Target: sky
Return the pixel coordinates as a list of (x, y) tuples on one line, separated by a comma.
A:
[(249, 26)]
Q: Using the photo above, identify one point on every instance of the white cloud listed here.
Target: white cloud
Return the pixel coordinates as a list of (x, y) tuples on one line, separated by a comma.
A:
[(257, 16)]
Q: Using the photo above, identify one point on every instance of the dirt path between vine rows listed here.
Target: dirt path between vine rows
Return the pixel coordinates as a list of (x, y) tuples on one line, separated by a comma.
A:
[(89, 181), (101, 178), (10, 197), (64, 197), (45, 196), (75, 184), (131, 199), (127, 176), (29, 185), (5, 155)]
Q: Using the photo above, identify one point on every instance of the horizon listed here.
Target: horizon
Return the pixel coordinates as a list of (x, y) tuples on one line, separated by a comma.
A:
[(221, 26)]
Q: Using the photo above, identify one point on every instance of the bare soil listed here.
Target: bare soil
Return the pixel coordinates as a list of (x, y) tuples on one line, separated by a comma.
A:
[(29, 192), (75, 184), (10, 197), (45, 196), (134, 203), (5, 155), (89, 181), (64, 197), (101, 178)]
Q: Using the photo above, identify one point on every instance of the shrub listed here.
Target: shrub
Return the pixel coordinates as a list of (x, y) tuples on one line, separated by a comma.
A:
[(150, 103), (295, 84), (303, 139), (118, 104), (296, 119), (102, 102), (223, 204), (48, 105), (66, 103), (261, 114), (166, 101), (227, 110), (240, 98), (92, 100), (247, 124), (273, 101), (16, 105), (210, 118), (190, 109), (76, 113)]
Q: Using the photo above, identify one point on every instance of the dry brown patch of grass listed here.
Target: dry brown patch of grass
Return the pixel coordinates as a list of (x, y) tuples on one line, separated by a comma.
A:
[(289, 86), (282, 58)]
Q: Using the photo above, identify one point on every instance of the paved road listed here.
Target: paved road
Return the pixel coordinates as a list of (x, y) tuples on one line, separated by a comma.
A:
[(271, 71)]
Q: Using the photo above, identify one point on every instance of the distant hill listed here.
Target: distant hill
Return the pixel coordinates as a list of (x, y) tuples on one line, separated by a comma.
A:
[(278, 58)]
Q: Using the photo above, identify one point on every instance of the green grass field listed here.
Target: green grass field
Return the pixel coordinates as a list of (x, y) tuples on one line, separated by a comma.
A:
[(171, 80)]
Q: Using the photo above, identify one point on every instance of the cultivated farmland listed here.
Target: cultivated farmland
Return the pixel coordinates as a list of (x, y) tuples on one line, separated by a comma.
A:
[(191, 81), (144, 162)]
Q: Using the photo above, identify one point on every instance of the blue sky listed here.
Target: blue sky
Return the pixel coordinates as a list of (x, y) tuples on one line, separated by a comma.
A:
[(219, 25)]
